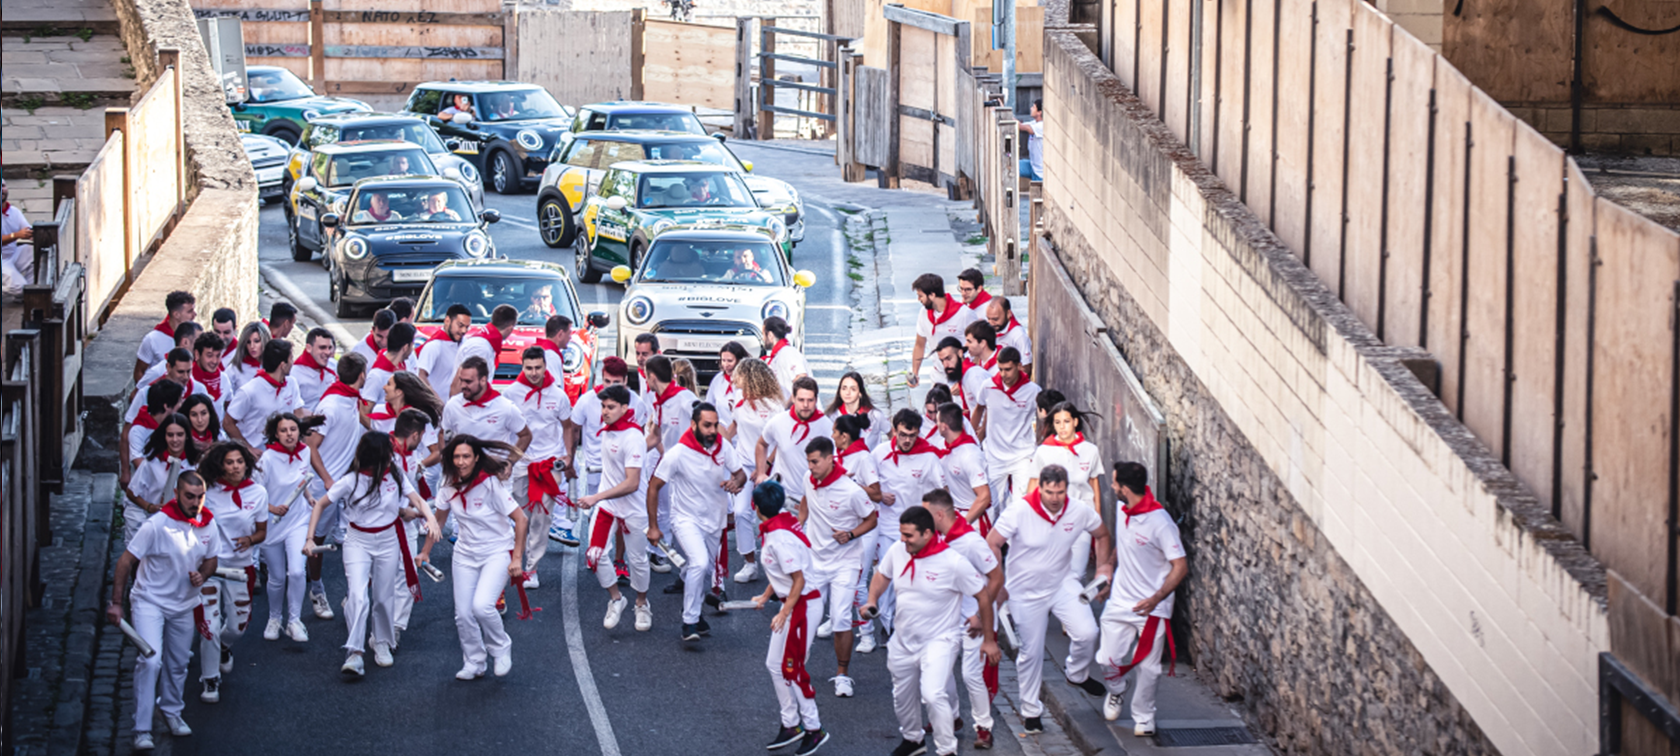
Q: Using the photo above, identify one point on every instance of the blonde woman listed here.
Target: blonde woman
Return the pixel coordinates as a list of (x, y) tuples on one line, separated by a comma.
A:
[(242, 365), (682, 371), (761, 399)]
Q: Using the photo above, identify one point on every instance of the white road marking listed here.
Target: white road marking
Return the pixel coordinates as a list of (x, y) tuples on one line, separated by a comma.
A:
[(292, 292), (580, 657)]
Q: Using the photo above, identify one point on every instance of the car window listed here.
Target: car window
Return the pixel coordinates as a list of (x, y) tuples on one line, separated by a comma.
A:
[(718, 262), (519, 105), (482, 294), (708, 151), (411, 131), (276, 85), (426, 204), (593, 121), (583, 153), (316, 134), (615, 152), (658, 121), (708, 189), (348, 169), (424, 101), (318, 167)]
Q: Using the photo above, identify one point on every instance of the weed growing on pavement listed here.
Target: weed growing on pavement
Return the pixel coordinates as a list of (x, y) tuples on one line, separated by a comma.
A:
[(44, 30), (31, 103), (86, 34), (976, 239), (79, 100)]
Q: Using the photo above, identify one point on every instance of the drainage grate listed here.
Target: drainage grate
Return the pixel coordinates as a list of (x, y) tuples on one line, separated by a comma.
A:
[(1203, 736)]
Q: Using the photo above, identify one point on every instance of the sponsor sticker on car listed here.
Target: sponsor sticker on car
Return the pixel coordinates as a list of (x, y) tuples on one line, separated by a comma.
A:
[(411, 275)]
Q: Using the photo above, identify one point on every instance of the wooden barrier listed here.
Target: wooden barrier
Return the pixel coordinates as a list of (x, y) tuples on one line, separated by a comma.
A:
[(584, 58), (689, 63)]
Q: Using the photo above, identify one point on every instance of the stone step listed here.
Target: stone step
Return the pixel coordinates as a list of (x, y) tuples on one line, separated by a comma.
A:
[(52, 140), (65, 70), (47, 18)]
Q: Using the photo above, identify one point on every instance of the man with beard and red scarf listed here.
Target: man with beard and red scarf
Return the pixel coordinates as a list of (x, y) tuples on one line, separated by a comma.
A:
[(699, 476), (538, 474), (784, 359), (979, 650), (1007, 418), (181, 307), (435, 359), (1009, 330), (781, 448), (316, 368), (169, 557), (399, 346), (672, 407), (942, 316), (485, 342), (1137, 621), (931, 581), (909, 467), (787, 558), (481, 411), (837, 516)]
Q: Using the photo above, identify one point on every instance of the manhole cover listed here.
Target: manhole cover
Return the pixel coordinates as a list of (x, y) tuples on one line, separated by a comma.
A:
[(1203, 736)]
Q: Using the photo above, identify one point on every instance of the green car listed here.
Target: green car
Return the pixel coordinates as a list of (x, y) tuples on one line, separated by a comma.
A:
[(639, 200), (280, 104)]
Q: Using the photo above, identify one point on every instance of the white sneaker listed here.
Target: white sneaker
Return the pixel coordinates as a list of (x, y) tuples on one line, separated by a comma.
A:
[(503, 664), (1144, 729), (177, 726), (532, 582), (212, 691), (644, 618), (143, 741), (747, 573), (323, 609), (297, 631), (842, 686), (353, 665), (469, 672), (1111, 706), (272, 632), (825, 630), (382, 655), (866, 644), (615, 608)]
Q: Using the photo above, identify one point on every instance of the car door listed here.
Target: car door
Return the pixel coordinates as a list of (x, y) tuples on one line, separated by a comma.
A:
[(612, 227), (579, 177), (466, 140), (310, 204)]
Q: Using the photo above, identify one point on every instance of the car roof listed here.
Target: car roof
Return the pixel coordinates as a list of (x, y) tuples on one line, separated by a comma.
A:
[(643, 136), (479, 86), (712, 234), (636, 106), (361, 118), (269, 69), (499, 267), (364, 145), (671, 166)]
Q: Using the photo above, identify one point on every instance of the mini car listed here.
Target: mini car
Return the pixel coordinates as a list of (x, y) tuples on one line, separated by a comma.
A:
[(280, 105), (268, 159), (333, 170), (505, 128), (395, 230), (575, 170), (620, 115), (538, 289), (638, 201), (700, 289), (362, 127)]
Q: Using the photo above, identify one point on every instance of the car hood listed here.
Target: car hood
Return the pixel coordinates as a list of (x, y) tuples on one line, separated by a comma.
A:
[(696, 214), (406, 232), (260, 148), (709, 301), (320, 103), (771, 192)]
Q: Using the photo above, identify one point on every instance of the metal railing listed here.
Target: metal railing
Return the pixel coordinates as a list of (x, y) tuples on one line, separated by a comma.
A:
[(817, 101)]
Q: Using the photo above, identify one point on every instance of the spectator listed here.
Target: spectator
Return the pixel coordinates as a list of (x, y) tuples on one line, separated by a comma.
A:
[(281, 318), (19, 263), (1033, 166), (462, 105)]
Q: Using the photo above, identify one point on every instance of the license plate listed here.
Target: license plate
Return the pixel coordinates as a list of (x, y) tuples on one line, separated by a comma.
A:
[(410, 275), (698, 345), (270, 175)]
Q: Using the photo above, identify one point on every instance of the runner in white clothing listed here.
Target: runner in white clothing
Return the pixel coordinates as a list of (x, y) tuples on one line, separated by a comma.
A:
[(761, 400), (784, 359), (286, 461), (316, 368), (485, 342), (535, 484), (941, 316), (965, 470), (148, 489), (180, 307), (371, 345), (244, 363), (557, 333), (269, 394), (970, 287), (583, 442), (1150, 565), (958, 372), (335, 440), (1009, 330), (399, 347), (162, 400), (856, 456), (240, 507), (980, 346), (837, 516), (623, 451), (781, 450), (481, 411), (1006, 420), (851, 398), (1066, 446), (488, 552), (435, 359), (979, 663), (909, 467), (672, 407), (703, 473), (787, 559)]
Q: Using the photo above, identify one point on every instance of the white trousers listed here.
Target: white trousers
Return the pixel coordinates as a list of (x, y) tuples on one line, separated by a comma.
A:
[(1122, 638), (172, 635), (536, 534), (796, 708), (1007, 482), (133, 518), (635, 546), (700, 547), (879, 541), (839, 594), (920, 678), (286, 574), (746, 522), (478, 583), (1032, 621), (371, 563), (403, 601), (973, 667), (227, 607)]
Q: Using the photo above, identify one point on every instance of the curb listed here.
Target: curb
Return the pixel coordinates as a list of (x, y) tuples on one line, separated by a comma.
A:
[(1083, 724), (283, 284)]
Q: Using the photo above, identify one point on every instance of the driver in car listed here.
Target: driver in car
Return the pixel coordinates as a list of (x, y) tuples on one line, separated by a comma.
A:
[(435, 207), (378, 210), (397, 166), (541, 306), (502, 106), (699, 191), (462, 105), (746, 268)]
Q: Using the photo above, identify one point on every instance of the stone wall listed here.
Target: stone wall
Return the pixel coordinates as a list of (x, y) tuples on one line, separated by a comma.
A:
[(1365, 576)]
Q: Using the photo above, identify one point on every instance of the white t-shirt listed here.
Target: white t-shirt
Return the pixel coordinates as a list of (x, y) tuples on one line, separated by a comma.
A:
[(495, 420), (238, 373), (906, 477), (841, 505), (483, 517), (365, 510), (436, 359), (1009, 423), (586, 414), (1082, 462), (1145, 548), (930, 597), (965, 470), (721, 394), (340, 433), (1040, 551), (788, 364), (168, 550), (255, 401), (786, 438), (280, 476), (378, 374), (750, 420), (476, 346), (154, 346), (620, 451), (137, 403), (138, 435), (545, 413), (976, 378), (696, 484), (930, 431), (674, 417), (367, 349), (1035, 146), (952, 326), (1016, 336), (878, 425), (979, 553), (312, 383), (784, 554), (237, 519), (861, 467), (149, 479)]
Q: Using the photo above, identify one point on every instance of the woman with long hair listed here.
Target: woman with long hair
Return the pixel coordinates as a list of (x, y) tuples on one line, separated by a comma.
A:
[(1066, 446), (203, 421), (761, 398), (684, 375), (240, 509), (489, 548), (246, 360), (149, 487), (1046, 399), (937, 396), (375, 498), (403, 390), (851, 398), (721, 392), (286, 461)]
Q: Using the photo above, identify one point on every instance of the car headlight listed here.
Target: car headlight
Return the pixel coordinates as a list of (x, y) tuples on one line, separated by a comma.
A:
[(777, 227), (476, 244), (469, 174), (355, 248), (529, 139), (638, 310), (661, 226), (311, 114), (774, 308), (571, 358)]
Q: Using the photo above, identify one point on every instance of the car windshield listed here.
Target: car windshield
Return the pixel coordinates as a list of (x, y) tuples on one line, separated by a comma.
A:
[(350, 168), (536, 297), (712, 262), (519, 105), (707, 189), (413, 132), (688, 122), (708, 151), (277, 85), (437, 203)]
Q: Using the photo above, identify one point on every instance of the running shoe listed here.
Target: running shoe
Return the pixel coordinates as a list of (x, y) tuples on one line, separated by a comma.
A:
[(714, 599), (842, 686), (503, 664), (786, 737), (143, 741), (226, 664), (212, 690), (615, 609), (811, 742), (866, 644), (644, 618), (1091, 686), (1144, 729), (323, 610), (1111, 706), (982, 739), (382, 655), (691, 631), (909, 748), (297, 631), (825, 630), (658, 563), (177, 726), (353, 664), (705, 629), (674, 588), (470, 672), (272, 632), (532, 582), (563, 535), (1032, 725), (747, 573)]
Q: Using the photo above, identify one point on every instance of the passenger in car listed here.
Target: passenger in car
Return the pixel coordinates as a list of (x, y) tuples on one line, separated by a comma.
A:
[(378, 210)]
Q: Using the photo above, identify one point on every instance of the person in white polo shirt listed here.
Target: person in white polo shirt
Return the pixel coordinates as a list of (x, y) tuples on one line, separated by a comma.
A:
[(1137, 621), (1040, 534), (317, 368), (781, 449), (980, 345), (1007, 418), (240, 507), (1009, 330), (623, 448), (535, 484), (931, 581), (481, 411), (909, 467), (672, 407), (1066, 446), (971, 288), (186, 334), (965, 470), (269, 394), (335, 440), (785, 360), (179, 307), (487, 554), (435, 359), (703, 473), (979, 660), (485, 342), (399, 346), (583, 440), (837, 516), (941, 316), (557, 333), (787, 559)]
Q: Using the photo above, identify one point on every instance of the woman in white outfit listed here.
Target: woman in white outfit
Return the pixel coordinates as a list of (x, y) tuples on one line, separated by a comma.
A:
[(204, 421), (240, 507), (286, 462), (489, 548), (1066, 446), (373, 494), (760, 399), (405, 391), (148, 486), (851, 398)]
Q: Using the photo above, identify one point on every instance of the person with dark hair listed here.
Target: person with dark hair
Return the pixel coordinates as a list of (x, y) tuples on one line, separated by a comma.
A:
[(225, 322), (954, 364), (185, 335), (965, 469), (340, 433), (1032, 166), (785, 360), (781, 448), (271, 393), (169, 557), (435, 359), (245, 363), (204, 423), (938, 395), (851, 397), (932, 582), (1040, 537), (481, 411), (179, 373), (942, 316), (1046, 399), (645, 346), (147, 489), (980, 347), (909, 467), (374, 343), (488, 553), (557, 333), (207, 368), (282, 316), (851, 433), (285, 462), (980, 653), (787, 561), (316, 368), (1009, 330), (373, 497), (179, 307), (399, 346), (403, 391), (540, 397), (694, 482), (162, 399), (721, 392), (1067, 446), (623, 448), (672, 407), (240, 507), (403, 308), (838, 516), (1007, 408), (971, 287), (1150, 563), (414, 441), (485, 343), (583, 441)]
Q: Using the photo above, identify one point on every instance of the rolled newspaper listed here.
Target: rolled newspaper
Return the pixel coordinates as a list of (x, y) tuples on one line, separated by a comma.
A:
[(432, 572), (1008, 624), (296, 492), (140, 644), (728, 605), (231, 573), (673, 553), (321, 548), (869, 612), (1092, 588), (169, 480)]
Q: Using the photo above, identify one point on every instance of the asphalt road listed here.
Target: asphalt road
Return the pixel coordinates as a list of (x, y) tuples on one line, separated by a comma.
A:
[(575, 687)]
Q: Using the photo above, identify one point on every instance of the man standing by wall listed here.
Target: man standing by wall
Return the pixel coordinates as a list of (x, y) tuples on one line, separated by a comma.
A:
[(1032, 166), (1150, 565)]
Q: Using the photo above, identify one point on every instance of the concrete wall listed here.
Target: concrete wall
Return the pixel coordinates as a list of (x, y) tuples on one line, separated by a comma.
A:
[(1366, 577)]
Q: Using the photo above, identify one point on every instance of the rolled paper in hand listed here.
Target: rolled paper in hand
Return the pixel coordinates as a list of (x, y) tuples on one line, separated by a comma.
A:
[(673, 553), (1008, 624), (1092, 589), (140, 644), (728, 605), (231, 573), (869, 612), (432, 572)]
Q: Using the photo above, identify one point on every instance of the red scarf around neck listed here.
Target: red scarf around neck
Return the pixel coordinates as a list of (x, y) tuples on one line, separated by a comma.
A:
[(783, 521), (212, 380), (535, 390), (1145, 505), (1009, 391), (291, 454), (247, 360), (626, 422), (771, 357), (1037, 505), (1054, 440), (203, 439), (920, 447), (671, 389), (383, 362), (691, 442), (488, 333), (980, 300), (490, 394), (461, 493), (805, 424), (145, 420), (1010, 326), (165, 328), (951, 309), (173, 511), (835, 474), (990, 365), (278, 385), (958, 529), (854, 448), (340, 388), (961, 439), (236, 488), (308, 360), (548, 345), (934, 546)]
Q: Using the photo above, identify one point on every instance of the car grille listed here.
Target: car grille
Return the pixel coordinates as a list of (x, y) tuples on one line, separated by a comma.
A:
[(705, 362), (732, 328), (269, 162)]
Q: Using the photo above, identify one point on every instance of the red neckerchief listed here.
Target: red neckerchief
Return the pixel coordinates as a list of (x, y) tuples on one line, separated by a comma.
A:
[(920, 447), (488, 333), (535, 390), (934, 546), (292, 454), (835, 474), (1078, 438), (783, 521), (1009, 391), (278, 385), (340, 388), (383, 362), (461, 493), (691, 442), (950, 447), (548, 345), (308, 361), (857, 446), (950, 312), (980, 300), (173, 511), (958, 529), (227, 350), (145, 420), (212, 380), (382, 411), (247, 360), (377, 216), (627, 422), (204, 438), (490, 394), (671, 389), (1032, 500), (806, 424), (166, 329), (990, 365), (236, 488), (1010, 326), (1144, 506), (771, 357)]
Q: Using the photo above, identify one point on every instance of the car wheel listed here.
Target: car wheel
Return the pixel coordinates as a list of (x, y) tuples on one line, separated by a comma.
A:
[(341, 308), (583, 263), (636, 254), (300, 253), (284, 131), (504, 176), (554, 222)]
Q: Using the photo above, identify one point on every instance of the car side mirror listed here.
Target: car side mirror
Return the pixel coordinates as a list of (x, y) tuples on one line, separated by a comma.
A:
[(307, 184), (720, 137), (239, 107), (598, 319), (472, 125), (805, 279), (461, 119), (490, 215), (747, 164), (616, 202), (329, 220), (620, 273)]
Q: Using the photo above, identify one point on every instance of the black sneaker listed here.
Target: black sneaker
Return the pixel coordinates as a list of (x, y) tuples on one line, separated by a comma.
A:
[(909, 748), (690, 631), (676, 587), (705, 629), (658, 563), (788, 736), (1091, 687), (622, 570), (714, 599), (1032, 725), (811, 742)]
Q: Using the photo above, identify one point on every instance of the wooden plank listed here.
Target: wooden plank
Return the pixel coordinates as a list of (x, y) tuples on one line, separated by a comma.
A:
[(254, 15), (1294, 90), (583, 57), (918, 62), (276, 33), (1125, 33), (1232, 128), (895, 57), (1150, 65), (921, 19), (689, 64), (441, 6), (1207, 70), (376, 69), (1446, 242), (401, 17), (1324, 229), (351, 88), (414, 51), (1633, 375), (1262, 101), (1487, 263), (1367, 107), (1175, 108), (403, 37), (1029, 38), (1578, 234), (1516, 51), (871, 118), (949, 61), (1534, 310), (1408, 176), (1622, 67)]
